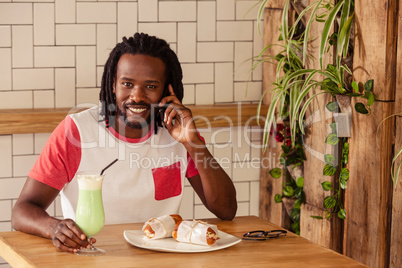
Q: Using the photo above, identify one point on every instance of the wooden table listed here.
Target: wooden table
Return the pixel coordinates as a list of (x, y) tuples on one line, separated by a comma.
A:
[(23, 250)]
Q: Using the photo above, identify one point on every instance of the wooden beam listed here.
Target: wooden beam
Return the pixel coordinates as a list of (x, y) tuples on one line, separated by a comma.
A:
[(45, 120)]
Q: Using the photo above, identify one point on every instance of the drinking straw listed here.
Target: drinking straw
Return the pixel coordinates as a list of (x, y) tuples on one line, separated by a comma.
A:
[(114, 161)]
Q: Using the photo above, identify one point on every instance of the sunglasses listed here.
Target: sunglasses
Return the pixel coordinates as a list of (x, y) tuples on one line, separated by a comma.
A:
[(262, 235)]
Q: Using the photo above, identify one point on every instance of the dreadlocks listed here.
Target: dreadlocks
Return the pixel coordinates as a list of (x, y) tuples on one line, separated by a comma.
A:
[(143, 44)]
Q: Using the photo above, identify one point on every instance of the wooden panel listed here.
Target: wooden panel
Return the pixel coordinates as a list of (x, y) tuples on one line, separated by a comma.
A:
[(45, 120), (318, 119), (269, 210), (369, 194)]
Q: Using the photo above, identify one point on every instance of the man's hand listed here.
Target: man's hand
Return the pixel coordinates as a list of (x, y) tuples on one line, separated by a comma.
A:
[(69, 237), (183, 128)]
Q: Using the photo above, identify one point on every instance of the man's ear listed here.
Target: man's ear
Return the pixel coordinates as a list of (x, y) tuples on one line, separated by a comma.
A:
[(114, 86)]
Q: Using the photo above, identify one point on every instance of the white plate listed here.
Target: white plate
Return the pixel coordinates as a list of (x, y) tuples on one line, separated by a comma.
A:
[(138, 239)]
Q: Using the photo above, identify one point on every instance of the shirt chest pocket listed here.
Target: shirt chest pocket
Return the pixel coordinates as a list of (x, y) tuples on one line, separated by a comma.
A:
[(167, 181)]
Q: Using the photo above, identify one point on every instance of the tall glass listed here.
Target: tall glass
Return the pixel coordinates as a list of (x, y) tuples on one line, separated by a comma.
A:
[(90, 216)]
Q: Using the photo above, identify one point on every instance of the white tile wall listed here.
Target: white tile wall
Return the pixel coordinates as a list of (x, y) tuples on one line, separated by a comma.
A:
[(52, 54)]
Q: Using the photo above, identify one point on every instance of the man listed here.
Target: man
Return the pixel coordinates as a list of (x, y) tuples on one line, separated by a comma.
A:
[(156, 151)]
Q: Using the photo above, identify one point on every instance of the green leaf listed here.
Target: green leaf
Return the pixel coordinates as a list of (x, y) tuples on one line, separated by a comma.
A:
[(316, 217), (332, 139), (368, 85), (329, 202), (299, 192), (327, 214), (300, 182), (278, 198), (360, 108), (329, 170), (355, 86), (342, 214), (344, 174), (298, 203), (329, 159), (370, 98), (343, 183), (326, 186), (288, 191), (276, 173), (333, 127), (332, 106), (295, 215)]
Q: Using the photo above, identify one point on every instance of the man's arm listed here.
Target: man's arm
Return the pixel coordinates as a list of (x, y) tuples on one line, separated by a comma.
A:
[(213, 185), (29, 215)]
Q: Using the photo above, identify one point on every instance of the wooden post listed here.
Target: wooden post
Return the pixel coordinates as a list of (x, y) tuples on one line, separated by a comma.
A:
[(369, 194), (269, 210), (326, 232)]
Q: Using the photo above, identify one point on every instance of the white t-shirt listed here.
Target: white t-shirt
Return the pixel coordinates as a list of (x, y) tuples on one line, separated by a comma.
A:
[(146, 182)]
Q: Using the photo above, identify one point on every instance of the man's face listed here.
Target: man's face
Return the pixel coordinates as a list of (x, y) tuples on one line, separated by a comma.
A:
[(139, 82)]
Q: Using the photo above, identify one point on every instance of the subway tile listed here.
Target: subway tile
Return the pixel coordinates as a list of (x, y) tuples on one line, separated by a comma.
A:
[(105, 42), (204, 94), (127, 19), (99, 73), (198, 73), (60, 56), (65, 11), (5, 154), (5, 227), (215, 51), (43, 99), (187, 207), (242, 191), (22, 46), (164, 30), (258, 44), (256, 133), (223, 136), (187, 40), (23, 164), (5, 208), (256, 151), (96, 12), (225, 9), (223, 155), (16, 100), (43, 24), (147, 10), (40, 140), (197, 200), (15, 13), (24, 79), (5, 33), (246, 171), (10, 188), (241, 146), (50, 210), (243, 61), (223, 82), (201, 212), (189, 95), (88, 95), (253, 93), (247, 10), (64, 87), (243, 209), (75, 34), (177, 11), (254, 198), (86, 66), (234, 30), (23, 144), (206, 21), (206, 133), (5, 69)]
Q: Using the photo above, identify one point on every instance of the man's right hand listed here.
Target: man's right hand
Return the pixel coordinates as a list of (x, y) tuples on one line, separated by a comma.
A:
[(67, 236)]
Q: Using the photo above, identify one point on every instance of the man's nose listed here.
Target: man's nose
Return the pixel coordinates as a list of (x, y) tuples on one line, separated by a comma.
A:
[(137, 94)]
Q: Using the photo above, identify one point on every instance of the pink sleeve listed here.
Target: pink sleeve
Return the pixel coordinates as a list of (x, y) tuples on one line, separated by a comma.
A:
[(191, 168), (61, 156)]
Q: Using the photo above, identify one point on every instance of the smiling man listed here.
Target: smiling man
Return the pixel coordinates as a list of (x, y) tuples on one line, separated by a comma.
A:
[(141, 76)]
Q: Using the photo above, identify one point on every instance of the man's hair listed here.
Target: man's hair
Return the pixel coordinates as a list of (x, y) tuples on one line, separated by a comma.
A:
[(142, 44)]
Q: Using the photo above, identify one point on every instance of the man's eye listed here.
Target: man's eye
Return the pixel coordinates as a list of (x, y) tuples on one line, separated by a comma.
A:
[(127, 84), (151, 86)]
